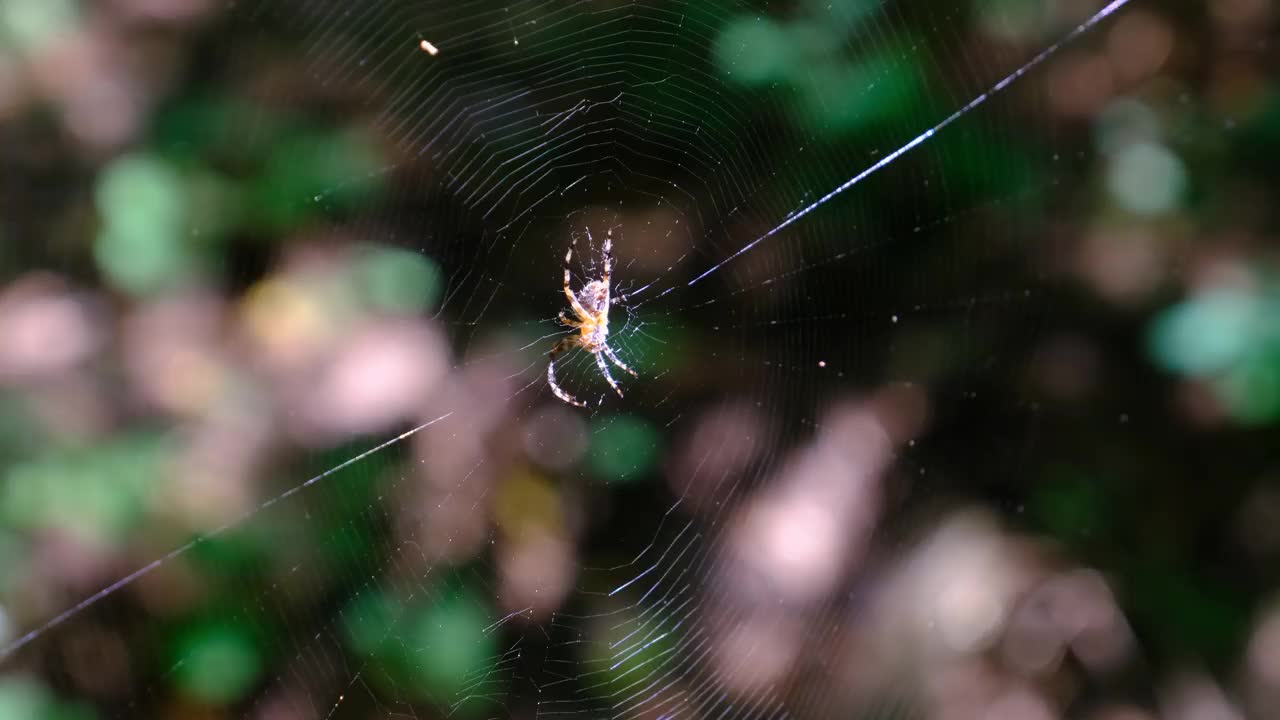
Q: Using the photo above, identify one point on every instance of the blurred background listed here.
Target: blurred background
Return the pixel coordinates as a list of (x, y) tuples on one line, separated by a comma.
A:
[(992, 434)]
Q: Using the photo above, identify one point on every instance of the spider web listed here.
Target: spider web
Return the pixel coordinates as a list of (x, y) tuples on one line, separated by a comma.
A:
[(786, 245)]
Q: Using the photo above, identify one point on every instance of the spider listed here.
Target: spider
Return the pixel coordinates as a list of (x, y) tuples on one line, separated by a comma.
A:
[(591, 320)]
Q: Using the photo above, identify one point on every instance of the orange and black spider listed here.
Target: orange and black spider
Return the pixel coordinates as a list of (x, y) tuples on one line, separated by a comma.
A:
[(591, 320)]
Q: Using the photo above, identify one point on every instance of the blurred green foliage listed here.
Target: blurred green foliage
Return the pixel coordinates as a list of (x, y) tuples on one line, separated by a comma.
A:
[(1229, 338), (624, 447), (24, 698), (808, 58), (29, 24), (143, 246), (1147, 178), (399, 281), (438, 650), (217, 662), (99, 493), (334, 169)]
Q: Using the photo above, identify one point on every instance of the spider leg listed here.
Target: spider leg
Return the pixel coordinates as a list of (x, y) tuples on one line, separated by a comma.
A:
[(564, 320), (568, 292), (565, 344), (607, 252), (604, 370), (614, 358)]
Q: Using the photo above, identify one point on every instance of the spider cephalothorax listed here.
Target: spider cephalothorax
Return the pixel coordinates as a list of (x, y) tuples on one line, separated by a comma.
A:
[(591, 321)]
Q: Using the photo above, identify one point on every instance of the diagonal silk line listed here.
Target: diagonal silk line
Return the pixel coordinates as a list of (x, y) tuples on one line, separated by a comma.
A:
[(920, 139), (113, 588)]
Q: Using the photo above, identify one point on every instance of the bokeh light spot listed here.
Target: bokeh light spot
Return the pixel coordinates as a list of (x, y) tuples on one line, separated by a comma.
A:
[(1124, 122), (29, 24), (623, 448), (753, 51), (399, 281), (220, 663), (317, 171), (1146, 178), (1206, 333), (449, 643), (142, 204), (368, 621), (528, 503), (839, 96), (22, 698)]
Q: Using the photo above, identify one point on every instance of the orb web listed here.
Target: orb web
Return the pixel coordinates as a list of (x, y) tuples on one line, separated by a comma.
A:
[(787, 188)]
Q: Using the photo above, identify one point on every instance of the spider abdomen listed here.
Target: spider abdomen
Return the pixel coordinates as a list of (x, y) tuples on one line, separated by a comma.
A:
[(594, 296)]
